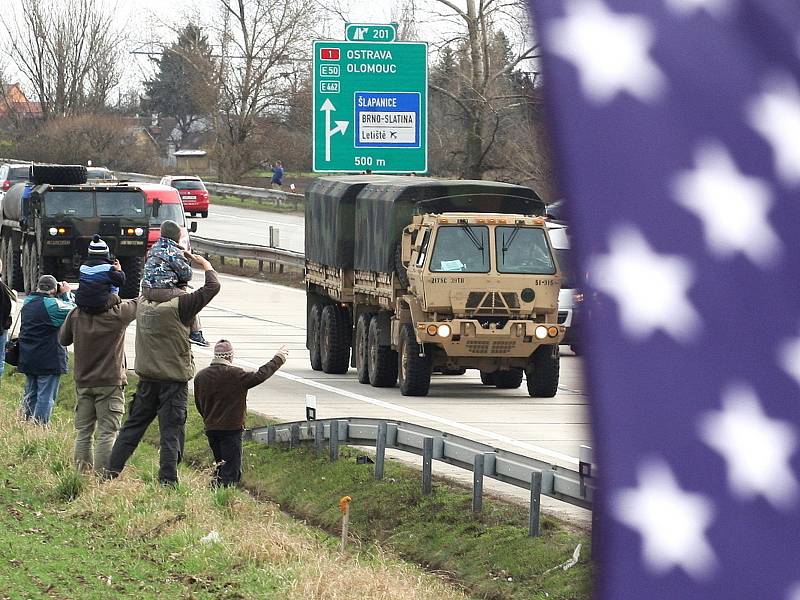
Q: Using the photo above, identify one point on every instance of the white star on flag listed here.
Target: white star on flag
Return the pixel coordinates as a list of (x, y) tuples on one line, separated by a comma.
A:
[(757, 449), (716, 8), (775, 114), (789, 358), (672, 522), (610, 51), (649, 288), (732, 207)]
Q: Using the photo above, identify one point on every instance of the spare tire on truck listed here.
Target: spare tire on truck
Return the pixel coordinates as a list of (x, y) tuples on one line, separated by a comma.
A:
[(58, 174)]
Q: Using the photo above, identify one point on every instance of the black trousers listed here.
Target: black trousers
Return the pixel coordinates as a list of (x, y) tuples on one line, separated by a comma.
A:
[(163, 399), (227, 448)]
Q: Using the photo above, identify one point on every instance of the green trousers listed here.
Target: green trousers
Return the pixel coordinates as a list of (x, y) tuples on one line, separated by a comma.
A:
[(98, 415)]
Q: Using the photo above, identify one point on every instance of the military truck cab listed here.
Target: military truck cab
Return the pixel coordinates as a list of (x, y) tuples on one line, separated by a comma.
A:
[(406, 276), (47, 227)]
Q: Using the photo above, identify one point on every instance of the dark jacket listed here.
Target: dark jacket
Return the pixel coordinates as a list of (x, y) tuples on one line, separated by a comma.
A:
[(99, 342), (162, 334), (39, 350), (98, 280), (5, 306), (220, 391)]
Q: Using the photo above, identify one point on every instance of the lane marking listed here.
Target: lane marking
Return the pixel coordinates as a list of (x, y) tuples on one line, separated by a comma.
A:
[(411, 412)]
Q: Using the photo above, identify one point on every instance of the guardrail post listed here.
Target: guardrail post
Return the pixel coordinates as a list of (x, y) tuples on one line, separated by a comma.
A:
[(380, 450), (319, 436), (536, 503), (260, 266), (427, 466), (271, 435), (295, 436), (477, 483), (334, 440)]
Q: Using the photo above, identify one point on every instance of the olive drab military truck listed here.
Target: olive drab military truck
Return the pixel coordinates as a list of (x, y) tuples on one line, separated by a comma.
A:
[(408, 275), (47, 225)]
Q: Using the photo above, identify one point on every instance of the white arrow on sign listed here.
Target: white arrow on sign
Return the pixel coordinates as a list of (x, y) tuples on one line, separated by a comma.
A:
[(341, 127)]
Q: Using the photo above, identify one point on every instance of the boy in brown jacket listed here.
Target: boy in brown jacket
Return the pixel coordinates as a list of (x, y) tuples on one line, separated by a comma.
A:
[(220, 394)]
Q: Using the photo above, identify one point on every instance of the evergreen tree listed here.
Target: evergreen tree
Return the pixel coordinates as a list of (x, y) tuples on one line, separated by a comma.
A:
[(184, 87)]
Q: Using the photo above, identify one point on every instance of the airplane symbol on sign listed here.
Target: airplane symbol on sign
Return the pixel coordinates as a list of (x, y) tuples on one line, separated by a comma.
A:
[(393, 135), (360, 33)]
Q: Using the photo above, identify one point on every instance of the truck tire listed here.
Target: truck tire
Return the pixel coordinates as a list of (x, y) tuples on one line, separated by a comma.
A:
[(334, 340), (508, 380), (487, 378), (314, 318), (382, 360), (399, 269), (414, 371), (542, 372), (360, 348), (58, 174), (30, 265), (12, 265), (133, 266)]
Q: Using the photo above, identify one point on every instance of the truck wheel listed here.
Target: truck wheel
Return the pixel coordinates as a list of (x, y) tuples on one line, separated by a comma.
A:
[(542, 372), (334, 340), (58, 174), (30, 265), (314, 317), (414, 371), (13, 263), (361, 350), (133, 267), (487, 378), (399, 269), (25, 262), (382, 360), (508, 380)]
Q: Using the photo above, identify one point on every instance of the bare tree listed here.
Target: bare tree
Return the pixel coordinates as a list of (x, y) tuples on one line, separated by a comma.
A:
[(69, 52), (479, 90), (264, 47)]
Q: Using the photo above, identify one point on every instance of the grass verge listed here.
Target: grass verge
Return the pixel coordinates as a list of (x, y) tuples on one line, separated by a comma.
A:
[(249, 268), (290, 208), (66, 535), (133, 517)]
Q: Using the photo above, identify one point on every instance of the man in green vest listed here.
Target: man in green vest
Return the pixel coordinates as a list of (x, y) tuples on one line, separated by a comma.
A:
[(164, 364)]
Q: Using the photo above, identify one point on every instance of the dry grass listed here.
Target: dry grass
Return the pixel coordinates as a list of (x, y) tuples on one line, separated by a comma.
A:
[(305, 562)]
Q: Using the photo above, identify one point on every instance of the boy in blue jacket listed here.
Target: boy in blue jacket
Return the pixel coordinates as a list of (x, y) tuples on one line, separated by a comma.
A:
[(99, 278)]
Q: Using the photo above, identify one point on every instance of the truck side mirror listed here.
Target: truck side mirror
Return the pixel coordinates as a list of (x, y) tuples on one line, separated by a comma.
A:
[(193, 227), (405, 249), (156, 206)]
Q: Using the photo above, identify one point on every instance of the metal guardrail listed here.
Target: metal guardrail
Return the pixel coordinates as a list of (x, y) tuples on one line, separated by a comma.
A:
[(538, 476), (227, 189), (262, 254)]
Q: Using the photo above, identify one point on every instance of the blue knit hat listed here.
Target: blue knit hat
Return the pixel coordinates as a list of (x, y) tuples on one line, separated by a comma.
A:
[(98, 247)]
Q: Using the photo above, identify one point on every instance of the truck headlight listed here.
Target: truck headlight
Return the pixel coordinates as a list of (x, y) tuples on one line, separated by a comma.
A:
[(540, 332), (444, 331), (138, 231), (53, 231)]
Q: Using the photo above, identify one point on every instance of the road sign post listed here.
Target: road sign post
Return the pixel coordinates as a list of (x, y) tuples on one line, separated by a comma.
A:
[(370, 105)]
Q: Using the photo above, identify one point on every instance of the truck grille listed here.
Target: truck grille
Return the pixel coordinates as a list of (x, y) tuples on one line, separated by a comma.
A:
[(486, 347), (491, 303)]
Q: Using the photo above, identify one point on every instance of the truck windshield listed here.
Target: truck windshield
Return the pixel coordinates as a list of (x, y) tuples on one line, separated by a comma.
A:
[(168, 212), (120, 204), (71, 204), (464, 248), (523, 250)]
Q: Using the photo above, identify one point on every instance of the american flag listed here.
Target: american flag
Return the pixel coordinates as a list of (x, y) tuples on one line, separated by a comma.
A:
[(677, 136)]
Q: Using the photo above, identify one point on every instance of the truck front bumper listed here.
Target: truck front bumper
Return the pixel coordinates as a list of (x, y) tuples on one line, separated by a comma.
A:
[(468, 338)]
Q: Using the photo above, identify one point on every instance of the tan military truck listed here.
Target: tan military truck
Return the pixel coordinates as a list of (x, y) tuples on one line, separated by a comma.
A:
[(408, 275)]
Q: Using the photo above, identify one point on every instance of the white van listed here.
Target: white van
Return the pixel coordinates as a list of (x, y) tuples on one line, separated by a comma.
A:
[(569, 299)]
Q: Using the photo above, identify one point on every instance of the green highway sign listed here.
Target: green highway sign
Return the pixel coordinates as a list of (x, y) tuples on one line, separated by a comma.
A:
[(370, 107), (370, 32)]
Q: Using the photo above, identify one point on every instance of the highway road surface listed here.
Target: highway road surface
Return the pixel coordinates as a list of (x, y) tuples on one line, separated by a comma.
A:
[(258, 317), (251, 226)]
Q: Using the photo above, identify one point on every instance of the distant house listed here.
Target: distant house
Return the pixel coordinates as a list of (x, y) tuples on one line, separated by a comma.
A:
[(14, 103)]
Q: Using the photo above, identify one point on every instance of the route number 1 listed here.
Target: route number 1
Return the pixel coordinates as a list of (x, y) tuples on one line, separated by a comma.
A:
[(329, 53)]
